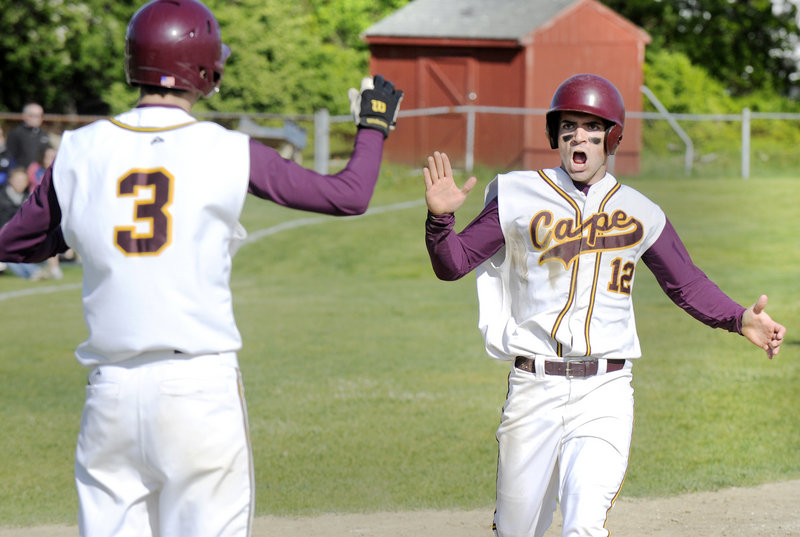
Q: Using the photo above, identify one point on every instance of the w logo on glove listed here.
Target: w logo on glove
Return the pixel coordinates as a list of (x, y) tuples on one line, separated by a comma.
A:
[(376, 105)]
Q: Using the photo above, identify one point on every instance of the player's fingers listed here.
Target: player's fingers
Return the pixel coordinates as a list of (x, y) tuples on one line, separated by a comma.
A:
[(777, 339), (780, 332), (448, 170), (774, 347), (426, 174), (760, 304), (432, 169), (469, 185), (437, 157)]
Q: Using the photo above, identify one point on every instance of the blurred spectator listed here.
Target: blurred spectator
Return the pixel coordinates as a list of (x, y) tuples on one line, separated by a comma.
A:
[(12, 194), (6, 160), (27, 140), (37, 167)]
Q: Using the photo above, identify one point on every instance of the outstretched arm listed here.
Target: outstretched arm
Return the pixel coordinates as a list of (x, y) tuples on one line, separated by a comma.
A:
[(345, 193), (691, 289), (761, 330), (441, 193), (375, 108), (452, 254)]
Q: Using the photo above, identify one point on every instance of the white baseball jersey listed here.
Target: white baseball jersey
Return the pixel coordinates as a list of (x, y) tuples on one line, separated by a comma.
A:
[(156, 231), (568, 261)]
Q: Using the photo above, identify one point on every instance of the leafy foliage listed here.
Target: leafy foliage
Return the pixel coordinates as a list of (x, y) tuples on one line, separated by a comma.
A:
[(61, 54), (686, 88), (746, 45), (341, 23), (288, 57), (678, 83)]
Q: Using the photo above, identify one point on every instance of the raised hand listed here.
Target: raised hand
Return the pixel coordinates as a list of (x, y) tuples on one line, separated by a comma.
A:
[(761, 330), (441, 193)]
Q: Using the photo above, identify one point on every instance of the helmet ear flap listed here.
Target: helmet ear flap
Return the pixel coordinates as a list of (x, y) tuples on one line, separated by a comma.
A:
[(613, 138)]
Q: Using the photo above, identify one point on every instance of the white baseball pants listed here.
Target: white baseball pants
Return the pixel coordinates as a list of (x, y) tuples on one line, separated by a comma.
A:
[(564, 440), (164, 450)]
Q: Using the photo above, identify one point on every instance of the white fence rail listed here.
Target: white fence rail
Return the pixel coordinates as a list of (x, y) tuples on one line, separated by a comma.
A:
[(745, 117), (322, 121)]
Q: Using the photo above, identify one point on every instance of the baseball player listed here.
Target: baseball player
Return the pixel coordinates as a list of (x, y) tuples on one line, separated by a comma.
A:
[(556, 252), (151, 201)]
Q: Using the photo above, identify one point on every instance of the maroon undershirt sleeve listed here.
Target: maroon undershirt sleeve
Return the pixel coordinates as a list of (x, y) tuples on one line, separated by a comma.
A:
[(345, 193), (687, 286), (454, 255), (34, 232)]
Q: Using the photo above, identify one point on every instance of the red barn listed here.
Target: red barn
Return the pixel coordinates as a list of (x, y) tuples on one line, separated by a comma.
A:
[(509, 53)]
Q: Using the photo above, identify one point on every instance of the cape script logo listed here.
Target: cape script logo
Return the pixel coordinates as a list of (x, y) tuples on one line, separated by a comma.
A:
[(564, 240)]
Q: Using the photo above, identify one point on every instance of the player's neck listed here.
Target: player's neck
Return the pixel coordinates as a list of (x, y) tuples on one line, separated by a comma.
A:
[(186, 102)]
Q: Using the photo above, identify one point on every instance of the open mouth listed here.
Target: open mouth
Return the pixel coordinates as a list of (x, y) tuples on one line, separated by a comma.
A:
[(579, 157)]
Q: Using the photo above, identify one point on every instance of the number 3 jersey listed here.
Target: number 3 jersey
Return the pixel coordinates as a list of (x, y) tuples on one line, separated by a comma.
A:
[(561, 285), (155, 218)]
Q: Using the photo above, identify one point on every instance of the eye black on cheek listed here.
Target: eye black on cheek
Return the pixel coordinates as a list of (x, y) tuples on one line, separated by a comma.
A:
[(596, 141), (568, 137)]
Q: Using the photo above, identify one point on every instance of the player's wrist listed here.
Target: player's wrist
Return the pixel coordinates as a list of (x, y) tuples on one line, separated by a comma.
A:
[(442, 219)]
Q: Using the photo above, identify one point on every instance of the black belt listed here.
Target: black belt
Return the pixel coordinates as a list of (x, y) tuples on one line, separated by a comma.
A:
[(574, 369)]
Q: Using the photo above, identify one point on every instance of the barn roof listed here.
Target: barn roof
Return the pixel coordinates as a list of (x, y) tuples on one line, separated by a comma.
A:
[(469, 19)]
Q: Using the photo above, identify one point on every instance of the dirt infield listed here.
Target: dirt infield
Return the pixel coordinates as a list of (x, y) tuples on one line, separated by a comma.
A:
[(764, 511)]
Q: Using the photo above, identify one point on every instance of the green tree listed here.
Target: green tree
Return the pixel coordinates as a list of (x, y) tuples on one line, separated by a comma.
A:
[(288, 57), (279, 62), (342, 22), (747, 45), (294, 57), (61, 54)]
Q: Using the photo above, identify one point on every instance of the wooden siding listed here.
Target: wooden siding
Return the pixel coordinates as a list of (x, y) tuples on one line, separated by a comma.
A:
[(451, 72)]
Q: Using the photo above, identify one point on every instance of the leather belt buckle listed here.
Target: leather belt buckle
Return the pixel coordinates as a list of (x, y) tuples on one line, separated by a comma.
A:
[(571, 373), (580, 369)]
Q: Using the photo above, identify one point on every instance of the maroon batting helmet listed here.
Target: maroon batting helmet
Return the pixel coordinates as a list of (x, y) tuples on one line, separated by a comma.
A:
[(175, 44), (594, 95)]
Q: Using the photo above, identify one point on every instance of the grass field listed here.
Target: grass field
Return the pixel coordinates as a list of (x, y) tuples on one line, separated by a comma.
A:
[(367, 384)]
